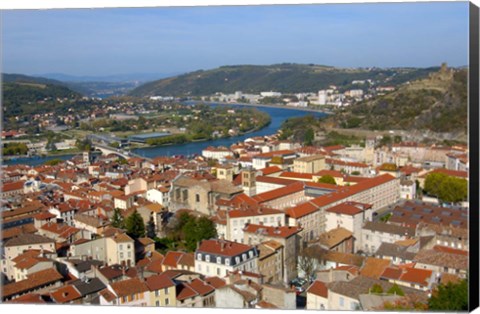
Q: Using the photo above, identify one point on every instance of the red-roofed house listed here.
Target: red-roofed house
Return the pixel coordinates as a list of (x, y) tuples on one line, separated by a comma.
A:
[(12, 188), (130, 292), (178, 260), (317, 296), (421, 279), (218, 257), (349, 215), (237, 218), (162, 290), (283, 197)]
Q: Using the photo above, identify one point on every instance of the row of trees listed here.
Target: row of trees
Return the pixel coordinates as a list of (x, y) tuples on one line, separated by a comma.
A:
[(16, 148)]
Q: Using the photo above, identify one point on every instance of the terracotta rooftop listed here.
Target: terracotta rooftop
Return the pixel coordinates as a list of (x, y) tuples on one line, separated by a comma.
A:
[(201, 287), (250, 211), (374, 267), (13, 186), (215, 282), (334, 237), (452, 173), (318, 288), (184, 291), (65, 294), (157, 282), (279, 193), (223, 247), (269, 170), (349, 208), (128, 287), (276, 232), (296, 175), (33, 282), (442, 259)]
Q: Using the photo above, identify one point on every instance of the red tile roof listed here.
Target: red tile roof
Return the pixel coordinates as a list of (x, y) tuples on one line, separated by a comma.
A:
[(349, 208), (29, 298), (249, 211), (184, 291), (280, 192), (65, 294), (171, 258), (157, 282), (128, 287), (215, 282), (391, 273), (269, 170), (318, 288), (13, 186), (277, 232), (223, 247), (374, 267), (201, 287), (447, 249), (452, 173), (274, 180), (296, 175), (33, 281), (416, 275)]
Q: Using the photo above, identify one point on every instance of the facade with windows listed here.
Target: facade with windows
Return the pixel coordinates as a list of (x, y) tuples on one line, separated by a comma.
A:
[(219, 257), (237, 219)]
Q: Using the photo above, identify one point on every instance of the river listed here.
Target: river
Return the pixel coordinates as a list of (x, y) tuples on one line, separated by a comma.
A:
[(278, 115)]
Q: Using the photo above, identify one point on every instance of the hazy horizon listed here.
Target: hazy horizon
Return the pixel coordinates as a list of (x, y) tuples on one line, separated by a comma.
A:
[(113, 42)]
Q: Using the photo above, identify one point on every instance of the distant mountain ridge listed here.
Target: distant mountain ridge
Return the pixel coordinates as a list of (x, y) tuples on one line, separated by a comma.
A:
[(114, 78), (285, 77), (22, 92)]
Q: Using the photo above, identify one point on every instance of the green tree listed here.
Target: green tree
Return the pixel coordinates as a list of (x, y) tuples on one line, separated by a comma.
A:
[(453, 190), (196, 230), (135, 225), (53, 162), (151, 229), (447, 188), (395, 289), (327, 179), (309, 136), (117, 219), (376, 288), (433, 181), (450, 297)]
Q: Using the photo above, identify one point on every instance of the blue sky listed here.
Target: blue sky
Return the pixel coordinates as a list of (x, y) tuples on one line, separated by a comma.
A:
[(172, 40)]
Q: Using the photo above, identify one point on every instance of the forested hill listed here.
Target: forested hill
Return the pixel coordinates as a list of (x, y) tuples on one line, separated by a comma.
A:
[(286, 78), (437, 103), (21, 93)]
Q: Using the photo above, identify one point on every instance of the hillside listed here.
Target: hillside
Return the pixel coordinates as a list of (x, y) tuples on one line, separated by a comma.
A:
[(21, 94), (437, 103), (286, 78)]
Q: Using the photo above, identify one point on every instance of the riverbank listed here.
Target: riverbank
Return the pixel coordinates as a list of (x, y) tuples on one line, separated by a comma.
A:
[(278, 116), (306, 109)]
